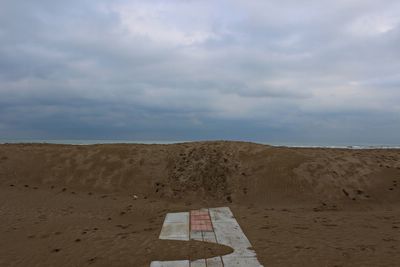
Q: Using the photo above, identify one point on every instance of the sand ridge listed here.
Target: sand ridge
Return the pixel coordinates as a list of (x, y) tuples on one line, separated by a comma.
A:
[(74, 206)]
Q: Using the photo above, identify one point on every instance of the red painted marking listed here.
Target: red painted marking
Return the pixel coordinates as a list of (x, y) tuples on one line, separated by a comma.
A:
[(200, 217), (200, 221)]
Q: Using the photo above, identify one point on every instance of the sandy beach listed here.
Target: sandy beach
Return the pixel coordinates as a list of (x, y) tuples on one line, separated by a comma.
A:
[(104, 205)]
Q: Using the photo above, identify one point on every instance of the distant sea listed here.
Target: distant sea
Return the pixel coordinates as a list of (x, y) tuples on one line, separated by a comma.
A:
[(93, 142)]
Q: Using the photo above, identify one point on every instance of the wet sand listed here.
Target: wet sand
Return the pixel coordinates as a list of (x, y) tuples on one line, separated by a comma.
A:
[(74, 205)]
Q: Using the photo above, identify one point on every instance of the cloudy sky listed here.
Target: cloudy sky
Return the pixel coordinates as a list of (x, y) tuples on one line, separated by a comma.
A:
[(272, 71)]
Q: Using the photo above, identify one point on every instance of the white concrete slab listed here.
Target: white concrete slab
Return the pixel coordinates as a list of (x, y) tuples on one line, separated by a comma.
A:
[(170, 264), (221, 214), (177, 217), (196, 235), (240, 261), (176, 226), (228, 232), (198, 263), (214, 262), (232, 235), (209, 237)]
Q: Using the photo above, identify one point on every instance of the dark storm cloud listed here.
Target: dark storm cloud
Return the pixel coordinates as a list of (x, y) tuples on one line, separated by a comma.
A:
[(254, 70)]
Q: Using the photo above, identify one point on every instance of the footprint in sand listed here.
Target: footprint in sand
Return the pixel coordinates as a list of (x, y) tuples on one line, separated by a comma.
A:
[(123, 226), (92, 260), (122, 235)]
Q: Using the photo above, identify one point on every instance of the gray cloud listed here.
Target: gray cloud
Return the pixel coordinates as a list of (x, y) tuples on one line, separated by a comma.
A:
[(255, 70)]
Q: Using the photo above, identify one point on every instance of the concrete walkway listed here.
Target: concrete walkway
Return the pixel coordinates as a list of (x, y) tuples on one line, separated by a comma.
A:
[(216, 225)]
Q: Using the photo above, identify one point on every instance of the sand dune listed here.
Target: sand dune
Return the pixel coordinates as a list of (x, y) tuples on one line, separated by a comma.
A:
[(74, 206)]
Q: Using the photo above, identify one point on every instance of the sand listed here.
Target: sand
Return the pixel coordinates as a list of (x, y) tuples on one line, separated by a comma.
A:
[(64, 205)]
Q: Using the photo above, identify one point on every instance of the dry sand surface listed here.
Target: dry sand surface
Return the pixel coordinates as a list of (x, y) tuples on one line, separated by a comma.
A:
[(64, 205)]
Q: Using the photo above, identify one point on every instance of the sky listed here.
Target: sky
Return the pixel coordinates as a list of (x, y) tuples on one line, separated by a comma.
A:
[(323, 72)]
